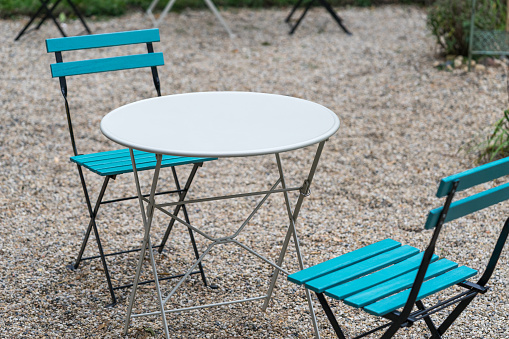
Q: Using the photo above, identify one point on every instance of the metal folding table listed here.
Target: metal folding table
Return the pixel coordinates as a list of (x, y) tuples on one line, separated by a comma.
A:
[(221, 124)]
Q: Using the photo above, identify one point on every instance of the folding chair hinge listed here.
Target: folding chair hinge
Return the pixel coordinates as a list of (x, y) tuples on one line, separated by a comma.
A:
[(474, 287), (305, 189), (114, 176)]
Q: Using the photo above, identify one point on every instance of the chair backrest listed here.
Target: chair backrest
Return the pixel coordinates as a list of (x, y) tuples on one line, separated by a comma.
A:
[(453, 210), (63, 69), (476, 202)]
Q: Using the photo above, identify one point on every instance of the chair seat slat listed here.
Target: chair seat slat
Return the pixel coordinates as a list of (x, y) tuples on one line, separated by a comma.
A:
[(102, 40), (429, 287), (108, 157), (147, 166), (361, 268), (397, 284), (125, 160), (129, 169), (104, 155), (106, 64), (469, 205), (345, 290), (140, 163), (342, 261), (119, 161)]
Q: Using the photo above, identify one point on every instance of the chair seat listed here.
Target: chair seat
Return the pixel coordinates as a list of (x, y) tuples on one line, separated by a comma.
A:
[(378, 277), (119, 161)]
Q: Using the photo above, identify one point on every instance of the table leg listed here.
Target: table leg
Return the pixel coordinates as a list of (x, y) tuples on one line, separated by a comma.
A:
[(219, 17), (149, 12), (147, 222), (165, 11), (170, 4), (293, 232)]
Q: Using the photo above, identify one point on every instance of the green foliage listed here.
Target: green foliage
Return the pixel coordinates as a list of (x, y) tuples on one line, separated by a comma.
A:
[(449, 21), (496, 145), (363, 3)]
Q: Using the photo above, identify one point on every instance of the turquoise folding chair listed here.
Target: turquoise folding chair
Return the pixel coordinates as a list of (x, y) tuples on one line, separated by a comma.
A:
[(387, 279), (112, 163)]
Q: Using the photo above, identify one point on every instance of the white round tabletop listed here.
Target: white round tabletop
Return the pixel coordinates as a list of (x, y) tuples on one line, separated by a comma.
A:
[(219, 124)]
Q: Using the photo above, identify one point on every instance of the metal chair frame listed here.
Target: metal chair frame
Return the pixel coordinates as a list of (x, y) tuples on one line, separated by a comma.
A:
[(49, 14), (93, 210), (436, 219)]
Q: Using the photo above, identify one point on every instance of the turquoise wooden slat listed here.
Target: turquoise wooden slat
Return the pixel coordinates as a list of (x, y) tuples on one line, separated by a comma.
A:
[(141, 163), (345, 290), (342, 261), (121, 157), (102, 40), (429, 287), (119, 161), (361, 268), (122, 161), (469, 205), (119, 153), (118, 156), (146, 166), (126, 159), (115, 159), (474, 176), (397, 284), (106, 64)]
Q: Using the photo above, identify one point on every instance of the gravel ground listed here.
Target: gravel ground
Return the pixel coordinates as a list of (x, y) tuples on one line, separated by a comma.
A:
[(402, 124)]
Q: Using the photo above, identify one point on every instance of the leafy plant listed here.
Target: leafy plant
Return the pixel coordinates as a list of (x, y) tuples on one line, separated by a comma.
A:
[(449, 21), (496, 145)]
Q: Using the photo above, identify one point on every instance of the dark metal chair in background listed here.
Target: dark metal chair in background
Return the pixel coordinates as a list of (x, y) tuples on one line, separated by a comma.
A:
[(109, 164), (387, 279), (48, 9), (310, 3)]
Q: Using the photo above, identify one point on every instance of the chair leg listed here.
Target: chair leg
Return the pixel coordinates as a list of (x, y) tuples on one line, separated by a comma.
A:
[(182, 196), (301, 17), (391, 331), (330, 315), (454, 314), (49, 13), (32, 19), (434, 331), (92, 220), (93, 214), (339, 21), (289, 17), (77, 12)]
